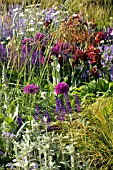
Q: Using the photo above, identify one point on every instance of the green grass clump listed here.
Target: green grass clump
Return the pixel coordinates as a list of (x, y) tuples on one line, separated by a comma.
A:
[(98, 146)]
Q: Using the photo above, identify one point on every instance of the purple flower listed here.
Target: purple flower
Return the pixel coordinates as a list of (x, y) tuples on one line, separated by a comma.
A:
[(111, 72), (26, 45), (31, 89), (61, 88), (60, 109), (77, 104), (39, 36), (1, 152), (56, 49), (37, 113), (58, 105), (10, 165), (47, 117), (19, 120), (3, 53), (68, 104)]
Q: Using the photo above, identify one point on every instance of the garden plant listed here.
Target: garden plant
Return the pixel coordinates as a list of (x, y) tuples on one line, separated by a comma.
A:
[(56, 85)]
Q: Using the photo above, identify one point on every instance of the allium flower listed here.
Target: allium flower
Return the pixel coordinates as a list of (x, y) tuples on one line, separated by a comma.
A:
[(31, 89), (61, 88)]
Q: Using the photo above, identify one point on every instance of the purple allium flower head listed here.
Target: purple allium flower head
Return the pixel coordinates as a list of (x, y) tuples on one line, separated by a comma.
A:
[(61, 88), (31, 89)]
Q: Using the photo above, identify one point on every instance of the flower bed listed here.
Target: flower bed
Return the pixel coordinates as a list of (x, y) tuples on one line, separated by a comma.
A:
[(54, 66)]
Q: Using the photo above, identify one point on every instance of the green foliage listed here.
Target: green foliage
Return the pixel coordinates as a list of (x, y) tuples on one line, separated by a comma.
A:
[(99, 138), (83, 140)]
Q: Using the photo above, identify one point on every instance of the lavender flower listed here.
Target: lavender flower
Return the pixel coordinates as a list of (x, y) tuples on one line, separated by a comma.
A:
[(8, 135), (37, 113), (68, 104), (111, 72), (19, 120), (77, 104), (31, 89), (60, 109), (26, 45), (58, 105), (46, 117), (61, 88), (1, 152), (3, 53), (10, 166)]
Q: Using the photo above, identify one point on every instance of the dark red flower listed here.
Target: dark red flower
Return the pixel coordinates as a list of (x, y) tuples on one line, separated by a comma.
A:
[(93, 55), (94, 72), (80, 54), (100, 36)]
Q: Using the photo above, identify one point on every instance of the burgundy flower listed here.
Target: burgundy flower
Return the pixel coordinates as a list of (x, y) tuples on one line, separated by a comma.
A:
[(31, 89), (94, 72), (61, 88), (93, 55), (100, 36), (75, 60), (80, 54)]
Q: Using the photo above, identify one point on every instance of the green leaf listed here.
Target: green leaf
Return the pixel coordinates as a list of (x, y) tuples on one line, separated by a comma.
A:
[(83, 90), (56, 76), (92, 87), (103, 85), (8, 119), (1, 117), (11, 108), (111, 86)]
